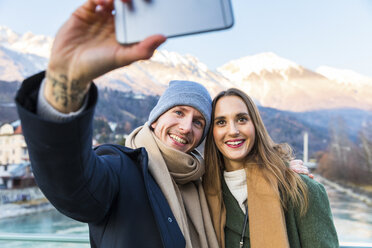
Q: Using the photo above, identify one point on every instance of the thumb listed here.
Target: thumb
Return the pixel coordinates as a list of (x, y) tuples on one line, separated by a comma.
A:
[(141, 50)]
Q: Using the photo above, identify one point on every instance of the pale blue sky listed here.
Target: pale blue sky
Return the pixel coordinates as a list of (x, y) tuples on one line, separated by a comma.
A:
[(336, 33)]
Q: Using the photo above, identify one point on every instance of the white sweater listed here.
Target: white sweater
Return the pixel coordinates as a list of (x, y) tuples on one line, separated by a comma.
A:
[(237, 183)]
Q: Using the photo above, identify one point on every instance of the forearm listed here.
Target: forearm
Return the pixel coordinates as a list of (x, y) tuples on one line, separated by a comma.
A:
[(62, 158), (45, 110), (64, 94)]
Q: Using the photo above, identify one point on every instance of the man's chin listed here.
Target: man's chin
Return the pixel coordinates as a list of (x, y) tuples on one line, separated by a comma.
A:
[(180, 148)]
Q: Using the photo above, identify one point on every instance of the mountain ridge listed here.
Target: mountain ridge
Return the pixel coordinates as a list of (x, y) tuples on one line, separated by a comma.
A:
[(271, 80)]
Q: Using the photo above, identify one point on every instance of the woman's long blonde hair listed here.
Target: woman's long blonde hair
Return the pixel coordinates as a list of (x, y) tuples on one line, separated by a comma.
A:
[(272, 158)]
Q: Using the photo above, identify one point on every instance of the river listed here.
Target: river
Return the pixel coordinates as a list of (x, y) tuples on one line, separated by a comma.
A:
[(44, 222), (353, 220), (352, 217)]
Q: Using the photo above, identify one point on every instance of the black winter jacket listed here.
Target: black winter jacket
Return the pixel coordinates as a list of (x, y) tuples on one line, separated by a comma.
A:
[(109, 188)]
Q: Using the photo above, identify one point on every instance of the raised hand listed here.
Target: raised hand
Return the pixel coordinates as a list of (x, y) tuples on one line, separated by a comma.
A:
[(84, 49)]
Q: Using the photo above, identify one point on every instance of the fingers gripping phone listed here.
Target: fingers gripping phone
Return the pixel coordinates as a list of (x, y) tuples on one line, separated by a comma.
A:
[(142, 18)]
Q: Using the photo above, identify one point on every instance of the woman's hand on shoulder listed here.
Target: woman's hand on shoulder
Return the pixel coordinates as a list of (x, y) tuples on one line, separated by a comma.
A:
[(297, 165)]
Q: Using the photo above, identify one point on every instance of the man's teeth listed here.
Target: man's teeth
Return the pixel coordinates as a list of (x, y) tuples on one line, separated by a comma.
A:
[(178, 139), (234, 143)]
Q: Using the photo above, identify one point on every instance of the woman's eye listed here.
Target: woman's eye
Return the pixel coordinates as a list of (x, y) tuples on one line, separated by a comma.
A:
[(220, 122), (242, 119)]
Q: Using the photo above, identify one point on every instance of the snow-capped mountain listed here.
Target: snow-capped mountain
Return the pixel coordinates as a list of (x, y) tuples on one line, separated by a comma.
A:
[(282, 84), (15, 66), (343, 76), (153, 76), (271, 80), (18, 59), (22, 55), (268, 62), (39, 45)]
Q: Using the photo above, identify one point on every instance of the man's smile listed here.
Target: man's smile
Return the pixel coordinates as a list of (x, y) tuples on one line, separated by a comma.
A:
[(178, 139)]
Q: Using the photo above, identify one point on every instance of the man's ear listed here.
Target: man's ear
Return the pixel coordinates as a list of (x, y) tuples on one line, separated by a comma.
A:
[(153, 125)]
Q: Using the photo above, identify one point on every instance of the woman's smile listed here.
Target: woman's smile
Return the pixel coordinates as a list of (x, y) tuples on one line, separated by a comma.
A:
[(233, 131), (235, 143)]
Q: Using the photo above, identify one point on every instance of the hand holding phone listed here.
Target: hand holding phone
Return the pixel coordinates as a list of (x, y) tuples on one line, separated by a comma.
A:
[(86, 48), (139, 19)]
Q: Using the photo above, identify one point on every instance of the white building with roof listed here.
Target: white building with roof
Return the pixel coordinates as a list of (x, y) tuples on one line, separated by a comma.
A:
[(13, 148)]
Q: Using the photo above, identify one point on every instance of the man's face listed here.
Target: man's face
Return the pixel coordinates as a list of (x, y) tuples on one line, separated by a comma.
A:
[(181, 128)]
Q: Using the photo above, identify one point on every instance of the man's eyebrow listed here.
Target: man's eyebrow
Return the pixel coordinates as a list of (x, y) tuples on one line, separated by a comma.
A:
[(181, 107), (199, 117)]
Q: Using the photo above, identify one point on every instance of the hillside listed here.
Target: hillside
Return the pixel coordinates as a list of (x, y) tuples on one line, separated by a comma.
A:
[(129, 110), (292, 98), (7, 107)]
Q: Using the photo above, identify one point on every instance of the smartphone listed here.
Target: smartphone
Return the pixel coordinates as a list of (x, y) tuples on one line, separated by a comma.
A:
[(171, 18)]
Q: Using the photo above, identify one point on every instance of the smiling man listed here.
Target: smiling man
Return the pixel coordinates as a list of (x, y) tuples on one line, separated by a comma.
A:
[(145, 194), (147, 197), (176, 125)]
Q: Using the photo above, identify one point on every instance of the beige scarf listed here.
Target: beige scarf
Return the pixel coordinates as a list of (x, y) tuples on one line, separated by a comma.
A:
[(267, 227), (178, 176)]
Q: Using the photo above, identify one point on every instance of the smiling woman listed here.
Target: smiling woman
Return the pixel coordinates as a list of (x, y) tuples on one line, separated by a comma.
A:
[(257, 201), (233, 132)]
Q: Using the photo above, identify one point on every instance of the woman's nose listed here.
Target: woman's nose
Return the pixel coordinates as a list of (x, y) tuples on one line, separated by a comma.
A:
[(233, 130)]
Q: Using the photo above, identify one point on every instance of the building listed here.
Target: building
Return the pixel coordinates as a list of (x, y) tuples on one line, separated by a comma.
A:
[(13, 148), (16, 176), (15, 171)]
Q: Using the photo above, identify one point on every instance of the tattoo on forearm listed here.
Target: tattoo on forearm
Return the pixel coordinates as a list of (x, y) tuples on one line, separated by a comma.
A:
[(68, 95)]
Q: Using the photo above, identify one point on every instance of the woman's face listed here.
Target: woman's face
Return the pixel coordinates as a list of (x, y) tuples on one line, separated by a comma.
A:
[(233, 131)]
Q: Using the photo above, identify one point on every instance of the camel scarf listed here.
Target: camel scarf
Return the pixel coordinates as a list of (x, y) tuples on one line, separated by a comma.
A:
[(178, 176), (267, 227)]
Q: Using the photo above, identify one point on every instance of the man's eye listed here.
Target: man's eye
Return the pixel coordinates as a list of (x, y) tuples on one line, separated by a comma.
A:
[(198, 123), (178, 112)]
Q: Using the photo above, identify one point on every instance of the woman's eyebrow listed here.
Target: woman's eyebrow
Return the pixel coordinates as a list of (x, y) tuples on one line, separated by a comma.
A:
[(242, 114), (219, 117)]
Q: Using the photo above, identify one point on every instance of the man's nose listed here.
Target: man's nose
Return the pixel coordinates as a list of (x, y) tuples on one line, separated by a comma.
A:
[(185, 124)]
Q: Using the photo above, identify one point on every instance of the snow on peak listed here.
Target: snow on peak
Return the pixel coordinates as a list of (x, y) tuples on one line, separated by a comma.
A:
[(7, 36), (343, 76), (15, 66), (176, 59), (35, 44), (259, 62), (27, 43)]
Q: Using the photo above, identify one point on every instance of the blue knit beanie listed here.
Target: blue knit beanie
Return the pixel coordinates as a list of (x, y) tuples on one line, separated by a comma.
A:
[(184, 93)]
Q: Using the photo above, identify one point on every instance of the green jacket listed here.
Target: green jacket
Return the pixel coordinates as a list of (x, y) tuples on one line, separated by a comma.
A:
[(313, 230)]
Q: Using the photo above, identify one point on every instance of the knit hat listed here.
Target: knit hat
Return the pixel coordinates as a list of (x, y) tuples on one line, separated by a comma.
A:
[(184, 93)]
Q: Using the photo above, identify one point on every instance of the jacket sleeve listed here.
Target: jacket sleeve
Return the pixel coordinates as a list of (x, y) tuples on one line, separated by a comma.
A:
[(75, 180), (316, 228)]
